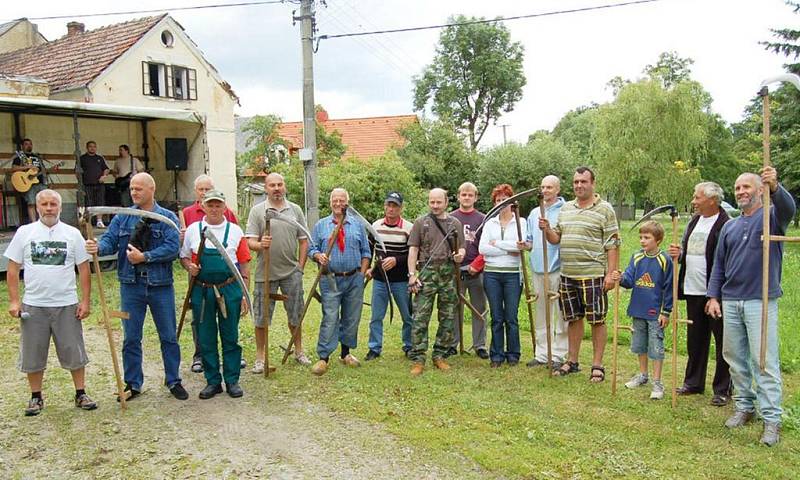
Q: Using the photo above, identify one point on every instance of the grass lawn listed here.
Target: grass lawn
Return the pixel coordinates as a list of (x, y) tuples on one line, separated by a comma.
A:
[(517, 422)]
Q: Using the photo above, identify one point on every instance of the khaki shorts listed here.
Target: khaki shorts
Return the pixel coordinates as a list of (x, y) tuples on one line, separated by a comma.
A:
[(66, 330), (292, 287)]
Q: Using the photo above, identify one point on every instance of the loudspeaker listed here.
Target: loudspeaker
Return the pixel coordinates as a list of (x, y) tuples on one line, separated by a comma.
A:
[(177, 153)]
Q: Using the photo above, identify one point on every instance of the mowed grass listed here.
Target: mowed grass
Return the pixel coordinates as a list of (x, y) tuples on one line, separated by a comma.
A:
[(514, 422)]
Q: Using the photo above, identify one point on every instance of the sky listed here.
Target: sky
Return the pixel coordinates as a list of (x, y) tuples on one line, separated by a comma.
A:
[(569, 58)]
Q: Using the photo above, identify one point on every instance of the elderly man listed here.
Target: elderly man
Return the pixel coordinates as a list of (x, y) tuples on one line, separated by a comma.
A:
[(471, 279), (696, 258), (287, 247), (390, 274), (50, 250), (589, 236), (217, 299), (191, 214), (736, 282), (145, 280), (436, 243), (551, 187), (342, 289)]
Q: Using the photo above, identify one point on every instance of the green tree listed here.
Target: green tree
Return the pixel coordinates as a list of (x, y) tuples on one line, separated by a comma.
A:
[(786, 42), (670, 69), (523, 166), (262, 131), (575, 131), (718, 162), (476, 75), (437, 155)]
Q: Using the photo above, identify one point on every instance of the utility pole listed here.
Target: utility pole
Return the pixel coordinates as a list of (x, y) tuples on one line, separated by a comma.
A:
[(504, 133), (309, 152)]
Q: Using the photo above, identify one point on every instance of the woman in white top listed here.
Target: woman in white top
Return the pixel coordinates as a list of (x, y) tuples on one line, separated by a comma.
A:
[(501, 279)]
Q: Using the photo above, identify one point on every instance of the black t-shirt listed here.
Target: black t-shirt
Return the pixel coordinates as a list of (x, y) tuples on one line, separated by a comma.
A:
[(33, 160), (93, 167)]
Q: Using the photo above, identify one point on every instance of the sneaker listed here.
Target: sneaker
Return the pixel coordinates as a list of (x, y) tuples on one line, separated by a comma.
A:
[(197, 366), (739, 419), (209, 391), (482, 353), (350, 360), (302, 359), (320, 368), (178, 392), (658, 390), (131, 392), (258, 367), (371, 355), (35, 406), (772, 434), (85, 403), (637, 381), (243, 363), (720, 400)]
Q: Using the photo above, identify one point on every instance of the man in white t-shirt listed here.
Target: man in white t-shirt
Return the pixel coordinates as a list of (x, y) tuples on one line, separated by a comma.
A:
[(49, 250), (696, 258)]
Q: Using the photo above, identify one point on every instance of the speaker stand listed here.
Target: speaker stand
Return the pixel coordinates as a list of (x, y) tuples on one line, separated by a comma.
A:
[(175, 184)]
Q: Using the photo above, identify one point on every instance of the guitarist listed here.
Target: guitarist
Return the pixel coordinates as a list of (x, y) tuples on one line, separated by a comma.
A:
[(26, 159)]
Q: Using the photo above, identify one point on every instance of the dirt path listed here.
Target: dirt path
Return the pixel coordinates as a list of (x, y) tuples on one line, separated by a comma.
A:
[(159, 437)]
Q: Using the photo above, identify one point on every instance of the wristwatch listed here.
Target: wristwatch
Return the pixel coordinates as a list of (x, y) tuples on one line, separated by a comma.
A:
[(411, 274)]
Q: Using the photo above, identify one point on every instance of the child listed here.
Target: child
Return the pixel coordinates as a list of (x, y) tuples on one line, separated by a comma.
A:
[(649, 274)]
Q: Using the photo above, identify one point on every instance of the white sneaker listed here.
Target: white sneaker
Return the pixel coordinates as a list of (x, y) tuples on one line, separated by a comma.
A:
[(302, 359), (258, 366), (658, 391), (637, 381)]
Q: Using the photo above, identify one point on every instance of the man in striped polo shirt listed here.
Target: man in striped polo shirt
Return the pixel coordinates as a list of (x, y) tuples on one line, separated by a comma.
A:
[(588, 233), (391, 266)]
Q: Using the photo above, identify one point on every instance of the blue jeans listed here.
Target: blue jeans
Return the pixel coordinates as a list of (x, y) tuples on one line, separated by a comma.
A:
[(136, 297), (341, 312), (380, 301), (741, 346), (503, 291)]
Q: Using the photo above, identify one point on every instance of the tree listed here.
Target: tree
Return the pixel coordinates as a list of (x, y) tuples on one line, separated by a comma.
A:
[(476, 75), (436, 155), (524, 166), (262, 133), (787, 42), (575, 131), (670, 69)]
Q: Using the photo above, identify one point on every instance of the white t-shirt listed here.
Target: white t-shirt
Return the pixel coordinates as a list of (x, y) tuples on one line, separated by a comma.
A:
[(123, 166), (694, 283), (191, 241), (49, 256)]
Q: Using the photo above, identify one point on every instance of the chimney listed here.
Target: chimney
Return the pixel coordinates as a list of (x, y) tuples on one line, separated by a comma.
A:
[(75, 28)]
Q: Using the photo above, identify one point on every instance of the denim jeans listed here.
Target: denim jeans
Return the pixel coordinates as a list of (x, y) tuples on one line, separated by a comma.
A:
[(380, 301), (741, 346), (341, 312), (647, 338), (503, 291), (136, 297)]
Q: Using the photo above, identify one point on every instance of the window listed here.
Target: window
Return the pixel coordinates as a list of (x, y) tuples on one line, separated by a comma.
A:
[(169, 81), (167, 39)]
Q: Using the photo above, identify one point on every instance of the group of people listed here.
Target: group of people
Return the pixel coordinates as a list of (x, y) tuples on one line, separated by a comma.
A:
[(455, 260)]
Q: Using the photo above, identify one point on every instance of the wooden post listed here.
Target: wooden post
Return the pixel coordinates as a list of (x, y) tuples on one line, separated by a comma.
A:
[(526, 281), (674, 312), (762, 360), (106, 322), (265, 296), (546, 291), (459, 297), (614, 350)]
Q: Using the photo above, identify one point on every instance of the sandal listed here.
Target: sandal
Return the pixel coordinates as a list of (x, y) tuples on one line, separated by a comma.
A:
[(197, 366), (597, 378), (566, 368)]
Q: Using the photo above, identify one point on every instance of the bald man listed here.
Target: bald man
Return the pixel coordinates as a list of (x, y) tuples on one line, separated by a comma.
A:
[(736, 281), (145, 280), (433, 240)]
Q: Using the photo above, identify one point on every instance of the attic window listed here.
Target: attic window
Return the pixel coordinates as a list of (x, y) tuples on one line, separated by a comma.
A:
[(167, 39)]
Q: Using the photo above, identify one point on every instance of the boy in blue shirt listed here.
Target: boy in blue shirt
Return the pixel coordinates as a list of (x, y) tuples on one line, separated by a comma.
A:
[(649, 274)]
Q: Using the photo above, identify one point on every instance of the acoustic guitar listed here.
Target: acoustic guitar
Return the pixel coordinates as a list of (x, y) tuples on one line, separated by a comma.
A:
[(23, 180)]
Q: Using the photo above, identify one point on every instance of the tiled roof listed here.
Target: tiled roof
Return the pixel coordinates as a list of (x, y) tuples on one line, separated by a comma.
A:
[(363, 137), (75, 60)]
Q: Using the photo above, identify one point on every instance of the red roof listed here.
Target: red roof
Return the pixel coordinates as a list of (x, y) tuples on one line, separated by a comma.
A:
[(75, 60), (363, 137)]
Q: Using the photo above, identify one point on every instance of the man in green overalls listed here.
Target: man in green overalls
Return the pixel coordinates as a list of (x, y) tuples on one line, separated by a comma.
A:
[(217, 297)]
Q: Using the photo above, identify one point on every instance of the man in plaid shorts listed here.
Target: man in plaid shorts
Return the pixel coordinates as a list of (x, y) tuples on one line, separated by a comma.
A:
[(588, 233)]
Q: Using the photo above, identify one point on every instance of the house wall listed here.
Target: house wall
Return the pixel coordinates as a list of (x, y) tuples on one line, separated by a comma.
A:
[(122, 84), (22, 35)]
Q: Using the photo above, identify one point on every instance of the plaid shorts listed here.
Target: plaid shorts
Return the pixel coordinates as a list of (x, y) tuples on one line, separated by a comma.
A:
[(583, 297)]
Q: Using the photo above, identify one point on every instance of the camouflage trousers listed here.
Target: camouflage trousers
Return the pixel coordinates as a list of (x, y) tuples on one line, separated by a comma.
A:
[(437, 280)]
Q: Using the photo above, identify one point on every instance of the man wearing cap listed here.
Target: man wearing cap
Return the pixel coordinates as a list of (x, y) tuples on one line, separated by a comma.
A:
[(191, 214), (217, 298), (342, 288), (392, 267)]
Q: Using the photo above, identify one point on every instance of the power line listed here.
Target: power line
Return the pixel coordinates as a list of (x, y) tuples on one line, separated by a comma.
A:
[(175, 9), (498, 19)]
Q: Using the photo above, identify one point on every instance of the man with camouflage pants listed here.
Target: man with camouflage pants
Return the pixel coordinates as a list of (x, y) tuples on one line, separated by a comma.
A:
[(432, 241)]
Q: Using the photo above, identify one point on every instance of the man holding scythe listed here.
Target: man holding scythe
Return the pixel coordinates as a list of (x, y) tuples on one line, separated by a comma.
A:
[(145, 252), (218, 298)]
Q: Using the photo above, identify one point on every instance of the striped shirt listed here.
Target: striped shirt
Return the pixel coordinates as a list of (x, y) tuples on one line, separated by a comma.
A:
[(395, 238), (585, 234)]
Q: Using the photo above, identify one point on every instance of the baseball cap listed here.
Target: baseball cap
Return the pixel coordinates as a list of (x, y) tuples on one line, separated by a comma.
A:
[(394, 197), (214, 195)]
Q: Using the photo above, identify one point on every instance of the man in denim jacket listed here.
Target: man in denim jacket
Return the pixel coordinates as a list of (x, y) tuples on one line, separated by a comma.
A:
[(145, 280)]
